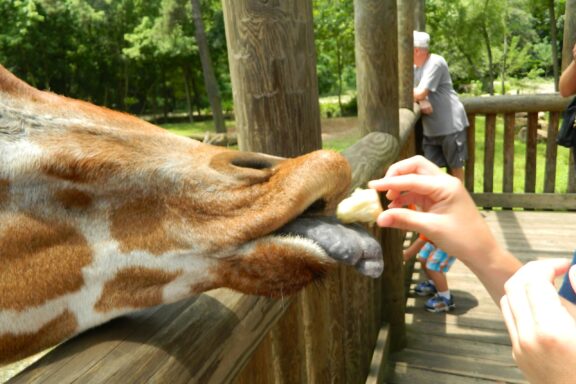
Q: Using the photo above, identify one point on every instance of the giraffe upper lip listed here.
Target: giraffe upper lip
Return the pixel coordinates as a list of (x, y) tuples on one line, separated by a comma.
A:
[(349, 244)]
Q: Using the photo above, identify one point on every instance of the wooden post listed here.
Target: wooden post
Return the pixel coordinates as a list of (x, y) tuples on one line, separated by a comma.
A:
[(378, 111), (273, 71), (406, 53), (377, 65), (419, 15)]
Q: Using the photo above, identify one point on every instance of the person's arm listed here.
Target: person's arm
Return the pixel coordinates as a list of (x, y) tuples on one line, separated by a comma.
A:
[(420, 94), (541, 324), (413, 249), (567, 83), (450, 219)]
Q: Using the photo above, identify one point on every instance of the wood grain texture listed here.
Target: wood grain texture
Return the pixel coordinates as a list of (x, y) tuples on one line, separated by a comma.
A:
[(376, 43), (406, 53), (273, 71), (370, 156), (168, 345)]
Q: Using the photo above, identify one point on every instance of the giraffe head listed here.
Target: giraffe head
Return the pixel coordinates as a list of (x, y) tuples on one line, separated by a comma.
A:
[(102, 213)]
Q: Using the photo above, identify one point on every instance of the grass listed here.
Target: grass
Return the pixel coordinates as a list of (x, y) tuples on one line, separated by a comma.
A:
[(192, 129), (562, 162)]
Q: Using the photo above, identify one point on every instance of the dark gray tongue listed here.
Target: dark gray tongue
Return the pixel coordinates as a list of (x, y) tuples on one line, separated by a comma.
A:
[(349, 244)]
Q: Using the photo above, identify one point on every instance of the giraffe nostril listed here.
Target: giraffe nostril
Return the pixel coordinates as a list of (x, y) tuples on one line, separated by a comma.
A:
[(245, 166), (252, 163)]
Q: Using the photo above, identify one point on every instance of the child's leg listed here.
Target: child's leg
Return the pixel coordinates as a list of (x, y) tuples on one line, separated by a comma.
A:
[(439, 279)]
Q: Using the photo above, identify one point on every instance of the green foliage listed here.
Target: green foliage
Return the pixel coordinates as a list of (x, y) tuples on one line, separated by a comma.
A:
[(334, 29), (483, 40)]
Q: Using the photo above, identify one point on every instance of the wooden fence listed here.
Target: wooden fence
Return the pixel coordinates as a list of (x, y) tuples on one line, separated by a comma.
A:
[(335, 332), (509, 109)]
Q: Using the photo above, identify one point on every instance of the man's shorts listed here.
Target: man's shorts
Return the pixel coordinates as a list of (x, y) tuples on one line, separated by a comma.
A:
[(446, 151), (435, 258)]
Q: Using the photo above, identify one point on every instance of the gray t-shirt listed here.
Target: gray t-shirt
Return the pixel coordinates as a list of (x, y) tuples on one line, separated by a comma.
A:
[(448, 115)]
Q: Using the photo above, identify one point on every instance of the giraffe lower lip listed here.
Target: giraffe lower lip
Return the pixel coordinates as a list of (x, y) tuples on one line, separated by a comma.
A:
[(349, 244)]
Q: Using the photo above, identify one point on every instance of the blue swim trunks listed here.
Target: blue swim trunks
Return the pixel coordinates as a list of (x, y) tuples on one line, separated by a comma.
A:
[(436, 259)]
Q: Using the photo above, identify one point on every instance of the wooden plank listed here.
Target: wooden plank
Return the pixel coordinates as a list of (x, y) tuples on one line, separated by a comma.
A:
[(472, 349), (461, 366), (471, 161), (515, 103), (526, 200), (551, 153), (489, 149), (531, 141), (509, 125), (138, 345), (378, 364), (405, 373)]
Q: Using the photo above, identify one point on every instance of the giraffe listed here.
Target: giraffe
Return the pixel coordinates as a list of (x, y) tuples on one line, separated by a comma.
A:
[(102, 214)]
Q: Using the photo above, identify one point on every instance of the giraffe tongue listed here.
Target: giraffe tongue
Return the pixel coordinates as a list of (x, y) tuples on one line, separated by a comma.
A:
[(349, 244)]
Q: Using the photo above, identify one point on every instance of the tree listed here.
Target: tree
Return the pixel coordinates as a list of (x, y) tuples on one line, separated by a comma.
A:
[(334, 29), (207, 68)]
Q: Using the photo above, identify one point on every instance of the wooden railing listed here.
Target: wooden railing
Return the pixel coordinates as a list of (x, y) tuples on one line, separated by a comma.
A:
[(338, 331), (507, 108)]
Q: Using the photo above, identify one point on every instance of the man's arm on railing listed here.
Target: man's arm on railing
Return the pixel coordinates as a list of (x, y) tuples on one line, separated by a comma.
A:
[(567, 84)]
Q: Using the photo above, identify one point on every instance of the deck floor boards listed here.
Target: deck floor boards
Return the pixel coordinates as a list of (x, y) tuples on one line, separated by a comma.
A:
[(470, 344)]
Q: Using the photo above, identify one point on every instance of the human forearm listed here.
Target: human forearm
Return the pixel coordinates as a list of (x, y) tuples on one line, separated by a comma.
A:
[(493, 270), (420, 94), (567, 83)]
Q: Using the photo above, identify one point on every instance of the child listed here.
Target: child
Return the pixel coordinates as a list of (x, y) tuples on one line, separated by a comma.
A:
[(435, 263)]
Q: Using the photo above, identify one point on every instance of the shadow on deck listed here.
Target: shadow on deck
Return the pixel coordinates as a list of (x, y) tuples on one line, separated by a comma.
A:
[(470, 344)]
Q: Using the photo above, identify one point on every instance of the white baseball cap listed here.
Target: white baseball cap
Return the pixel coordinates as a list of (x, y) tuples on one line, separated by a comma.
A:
[(421, 39)]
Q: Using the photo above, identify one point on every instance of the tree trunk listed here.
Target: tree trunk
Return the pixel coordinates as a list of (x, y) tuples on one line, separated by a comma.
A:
[(490, 80), (186, 73), (503, 68), (273, 70), (208, 69), (554, 43)]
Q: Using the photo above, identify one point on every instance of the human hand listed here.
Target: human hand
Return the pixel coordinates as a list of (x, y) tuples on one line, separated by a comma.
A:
[(449, 217), (426, 107), (541, 324), (574, 52)]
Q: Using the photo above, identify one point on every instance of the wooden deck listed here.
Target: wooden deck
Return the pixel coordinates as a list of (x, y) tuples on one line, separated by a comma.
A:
[(470, 344)]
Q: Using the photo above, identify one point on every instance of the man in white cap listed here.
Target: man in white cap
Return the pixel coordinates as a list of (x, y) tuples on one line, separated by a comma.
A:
[(444, 143), (443, 116)]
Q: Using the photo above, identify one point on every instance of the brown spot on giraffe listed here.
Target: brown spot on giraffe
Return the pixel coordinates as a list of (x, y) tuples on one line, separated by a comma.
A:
[(14, 347), (31, 248), (140, 225), (134, 287), (4, 191), (73, 198)]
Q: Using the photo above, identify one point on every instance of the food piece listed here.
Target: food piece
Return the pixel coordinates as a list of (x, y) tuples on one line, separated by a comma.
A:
[(362, 206)]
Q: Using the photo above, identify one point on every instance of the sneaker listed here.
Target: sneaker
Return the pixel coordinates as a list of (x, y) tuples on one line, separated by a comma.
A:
[(425, 288), (440, 304)]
